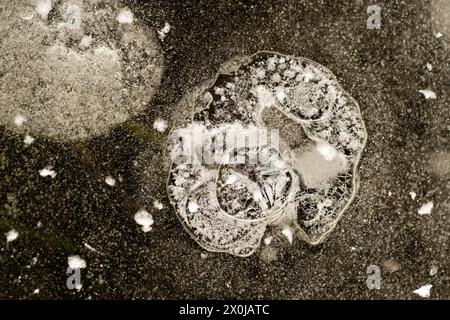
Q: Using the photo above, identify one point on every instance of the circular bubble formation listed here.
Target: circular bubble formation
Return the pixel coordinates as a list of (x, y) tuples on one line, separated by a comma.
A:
[(72, 69), (307, 183)]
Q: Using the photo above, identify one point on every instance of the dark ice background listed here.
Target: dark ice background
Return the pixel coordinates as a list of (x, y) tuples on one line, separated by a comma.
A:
[(382, 69)]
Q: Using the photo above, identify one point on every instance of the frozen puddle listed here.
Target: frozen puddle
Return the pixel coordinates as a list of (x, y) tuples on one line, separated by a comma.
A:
[(74, 68), (304, 184)]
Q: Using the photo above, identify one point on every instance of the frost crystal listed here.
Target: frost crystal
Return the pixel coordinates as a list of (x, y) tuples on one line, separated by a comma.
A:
[(306, 182)]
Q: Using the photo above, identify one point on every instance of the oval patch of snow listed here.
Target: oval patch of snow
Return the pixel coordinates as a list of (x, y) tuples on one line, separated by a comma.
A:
[(11, 235), (424, 291), (75, 262), (144, 219), (426, 208)]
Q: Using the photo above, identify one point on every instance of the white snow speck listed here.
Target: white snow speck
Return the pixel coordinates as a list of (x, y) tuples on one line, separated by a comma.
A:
[(268, 240), (287, 232), (203, 255), (424, 291), (75, 262), (43, 7), (19, 120), (144, 219), (429, 66), (90, 247), (28, 140), (327, 151), (280, 94), (192, 207), (264, 96), (231, 179), (257, 196), (438, 34), (389, 193), (47, 172), (433, 270), (164, 31), (36, 291), (426, 208), (27, 14), (413, 195), (428, 94), (11, 235), (110, 181), (86, 41), (160, 125), (158, 205), (125, 16), (309, 75), (352, 248)]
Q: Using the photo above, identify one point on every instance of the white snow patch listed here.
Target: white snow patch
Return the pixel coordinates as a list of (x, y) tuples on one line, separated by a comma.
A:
[(19, 120), (268, 240), (257, 196), (203, 255), (28, 140), (280, 94), (429, 66), (47, 172), (110, 181), (160, 125), (428, 94), (327, 151), (438, 34), (86, 41), (43, 7), (164, 31), (287, 232), (192, 207), (125, 16), (426, 208), (433, 270), (11, 235), (231, 179), (308, 75), (424, 291), (158, 205), (144, 219), (90, 247), (413, 195), (75, 262), (36, 291)]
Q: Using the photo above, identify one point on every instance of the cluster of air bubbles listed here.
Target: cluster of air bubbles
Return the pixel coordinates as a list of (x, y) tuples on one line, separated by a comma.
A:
[(303, 184)]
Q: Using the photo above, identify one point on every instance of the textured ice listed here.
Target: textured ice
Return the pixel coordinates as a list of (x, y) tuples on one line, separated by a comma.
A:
[(74, 68), (312, 176)]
